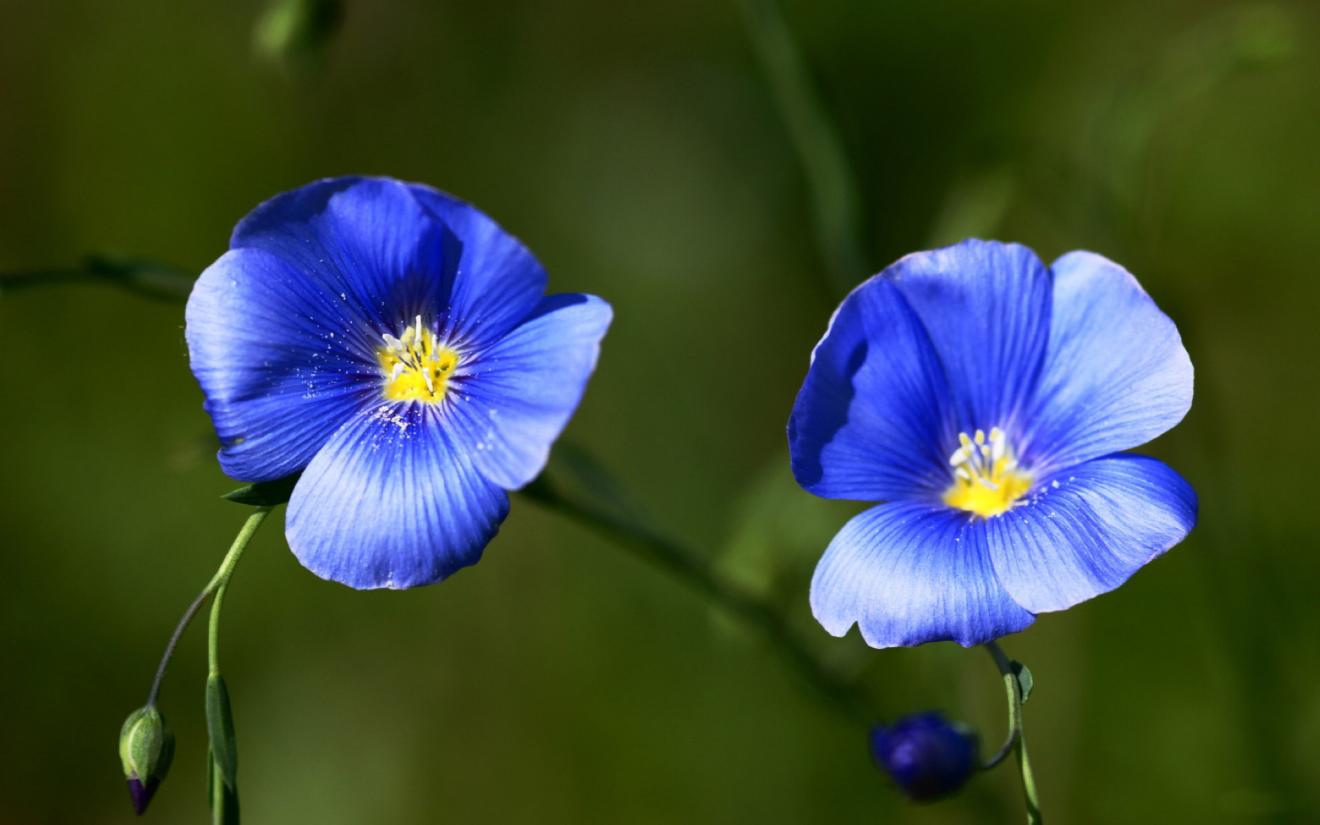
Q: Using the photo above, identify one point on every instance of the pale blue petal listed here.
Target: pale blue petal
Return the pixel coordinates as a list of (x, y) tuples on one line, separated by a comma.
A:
[(521, 391), (908, 573), (1085, 530), (392, 501), (1116, 374)]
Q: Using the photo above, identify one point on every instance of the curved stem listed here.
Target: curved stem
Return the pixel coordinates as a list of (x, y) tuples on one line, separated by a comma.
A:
[(221, 581), (221, 576), (1016, 741), (698, 574)]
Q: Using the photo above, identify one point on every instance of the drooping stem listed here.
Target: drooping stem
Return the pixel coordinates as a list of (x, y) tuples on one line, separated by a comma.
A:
[(1016, 741), (217, 581), (697, 573)]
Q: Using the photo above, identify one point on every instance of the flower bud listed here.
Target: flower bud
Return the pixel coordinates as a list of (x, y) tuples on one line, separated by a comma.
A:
[(927, 756), (146, 747)]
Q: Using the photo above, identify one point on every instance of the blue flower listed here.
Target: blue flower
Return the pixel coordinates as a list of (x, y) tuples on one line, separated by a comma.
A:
[(985, 398), (927, 756), (395, 345)]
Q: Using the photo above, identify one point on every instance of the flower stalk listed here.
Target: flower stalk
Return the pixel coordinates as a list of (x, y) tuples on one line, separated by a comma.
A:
[(1016, 742)]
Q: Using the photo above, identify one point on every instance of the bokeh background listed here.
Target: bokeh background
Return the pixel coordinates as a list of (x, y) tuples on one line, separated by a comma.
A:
[(644, 153)]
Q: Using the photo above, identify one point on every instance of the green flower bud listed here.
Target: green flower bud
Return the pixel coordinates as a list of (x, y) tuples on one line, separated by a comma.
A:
[(146, 748)]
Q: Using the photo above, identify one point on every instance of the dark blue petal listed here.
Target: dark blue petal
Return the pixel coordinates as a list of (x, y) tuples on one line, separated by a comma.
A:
[(365, 240), (499, 282), (908, 573), (522, 390), (986, 306), (1116, 375), (868, 423), (271, 350), (1085, 530), (392, 501)]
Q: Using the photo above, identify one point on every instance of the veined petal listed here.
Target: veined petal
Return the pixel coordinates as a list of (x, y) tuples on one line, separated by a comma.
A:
[(268, 347), (365, 240), (525, 387), (908, 573), (498, 283), (869, 423), (1085, 530), (1116, 375), (986, 306), (392, 501)]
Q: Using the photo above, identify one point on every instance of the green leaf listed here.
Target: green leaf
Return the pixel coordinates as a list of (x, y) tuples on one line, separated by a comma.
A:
[(264, 493), (1025, 680), (220, 728), (225, 806)]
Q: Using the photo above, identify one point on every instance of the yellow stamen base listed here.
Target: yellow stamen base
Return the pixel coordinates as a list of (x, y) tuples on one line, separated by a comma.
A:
[(987, 480), (416, 365)]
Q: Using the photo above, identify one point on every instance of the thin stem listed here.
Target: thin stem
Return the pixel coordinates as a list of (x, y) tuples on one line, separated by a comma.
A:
[(1016, 738), (145, 277), (221, 575), (221, 581), (830, 181), (693, 570)]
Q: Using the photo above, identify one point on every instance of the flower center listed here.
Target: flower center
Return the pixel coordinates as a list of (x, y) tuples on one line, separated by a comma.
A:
[(417, 366), (986, 477)]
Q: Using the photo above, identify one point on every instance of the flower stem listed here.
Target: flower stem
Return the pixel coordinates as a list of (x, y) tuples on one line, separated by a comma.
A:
[(221, 581), (1016, 741), (698, 574), (217, 581)]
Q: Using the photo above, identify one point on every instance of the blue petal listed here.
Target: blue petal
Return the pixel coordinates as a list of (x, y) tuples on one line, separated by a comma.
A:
[(271, 350), (868, 423), (986, 306), (366, 241), (525, 388), (1117, 374), (392, 501), (1084, 531), (908, 573), (499, 282)]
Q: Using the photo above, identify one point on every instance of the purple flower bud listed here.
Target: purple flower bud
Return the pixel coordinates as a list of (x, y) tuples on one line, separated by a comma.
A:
[(927, 756), (146, 748)]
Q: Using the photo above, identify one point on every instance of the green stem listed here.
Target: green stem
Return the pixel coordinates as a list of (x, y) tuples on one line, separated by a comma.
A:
[(217, 581), (221, 581), (698, 574), (834, 198), (142, 276), (1016, 739)]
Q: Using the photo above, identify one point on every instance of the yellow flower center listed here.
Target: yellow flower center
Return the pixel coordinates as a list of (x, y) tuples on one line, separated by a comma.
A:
[(986, 477), (416, 365)]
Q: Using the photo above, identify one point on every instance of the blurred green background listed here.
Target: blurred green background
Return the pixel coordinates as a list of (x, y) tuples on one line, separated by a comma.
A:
[(641, 151)]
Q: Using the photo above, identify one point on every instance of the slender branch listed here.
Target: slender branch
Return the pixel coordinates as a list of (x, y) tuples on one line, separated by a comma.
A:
[(1016, 739), (141, 276), (221, 576), (698, 574)]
